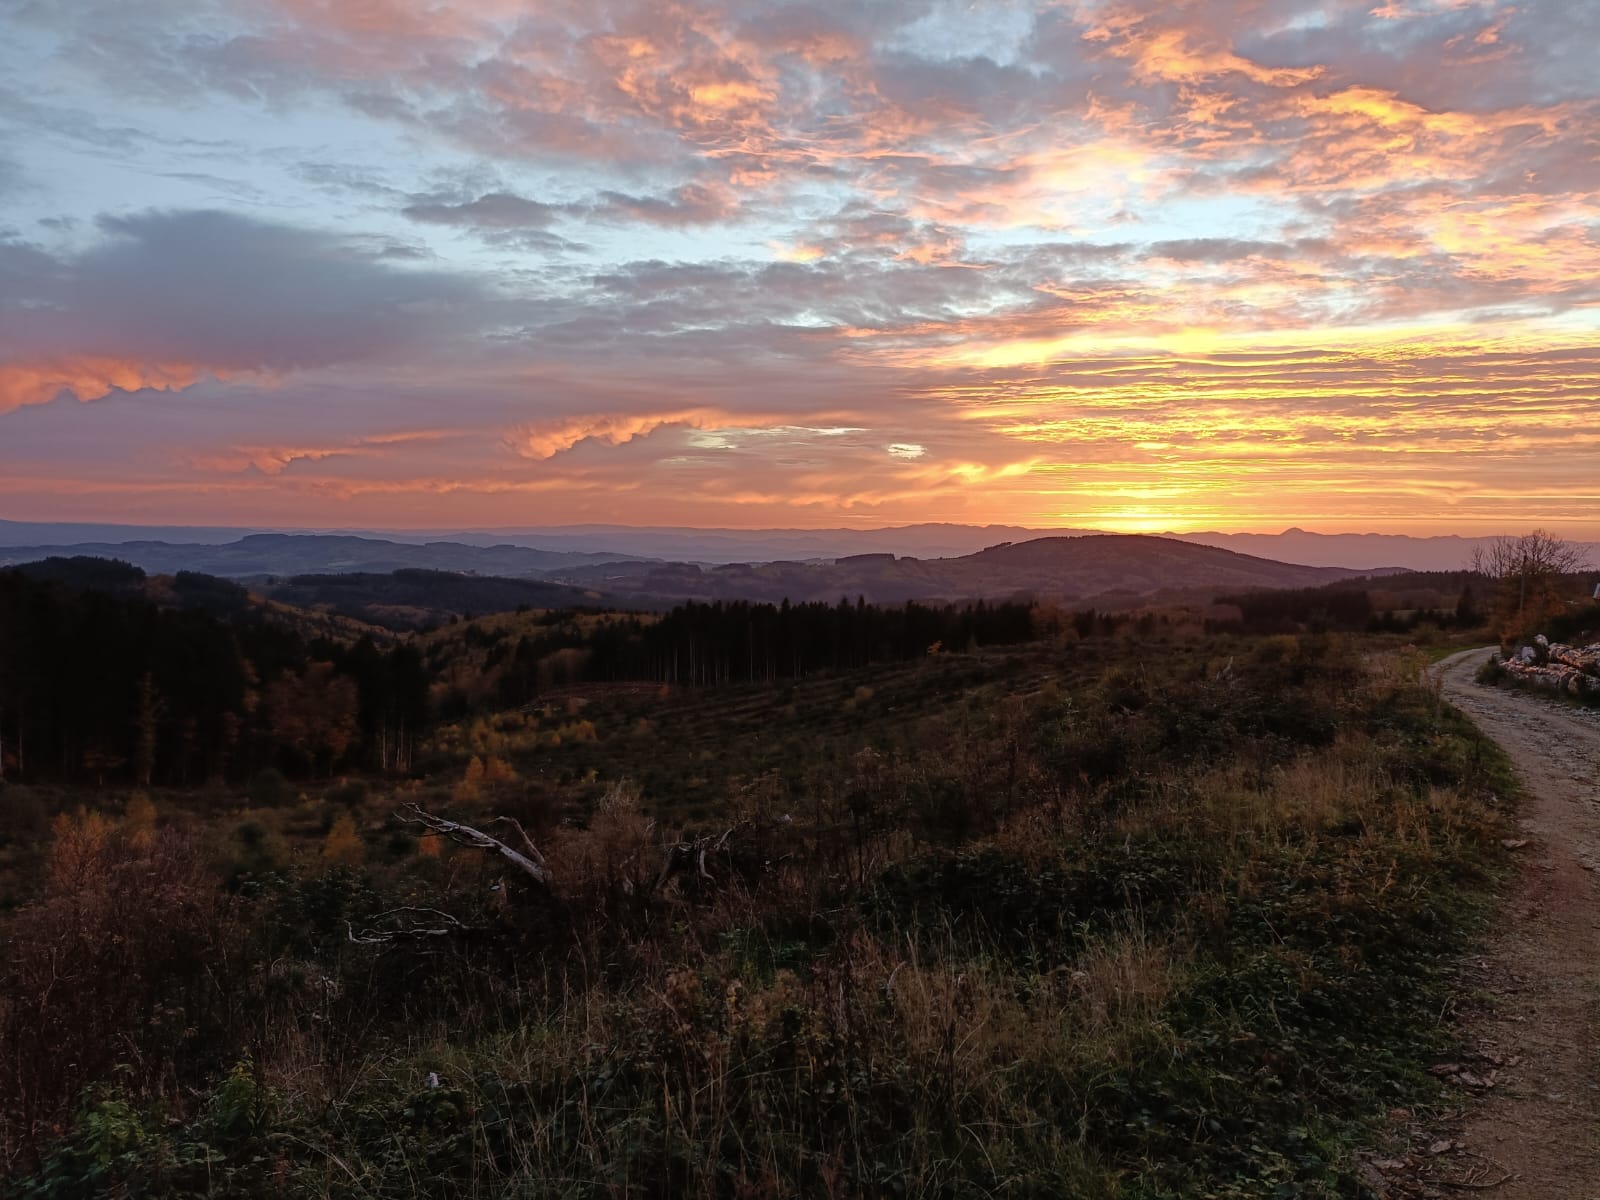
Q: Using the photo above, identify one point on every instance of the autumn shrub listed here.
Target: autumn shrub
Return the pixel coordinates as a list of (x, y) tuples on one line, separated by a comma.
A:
[(126, 958), (343, 845)]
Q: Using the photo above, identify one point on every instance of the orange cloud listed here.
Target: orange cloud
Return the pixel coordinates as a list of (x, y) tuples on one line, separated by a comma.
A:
[(1173, 55), (92, 377), (543, 441), (272, 460)]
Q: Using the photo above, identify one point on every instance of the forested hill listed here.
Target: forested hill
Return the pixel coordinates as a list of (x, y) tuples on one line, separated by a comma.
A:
[(339, 607), (109, 676), (413, 599), (104, 677)]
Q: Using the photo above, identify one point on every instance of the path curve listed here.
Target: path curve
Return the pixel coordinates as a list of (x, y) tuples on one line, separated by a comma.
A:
[(1540, 1123)]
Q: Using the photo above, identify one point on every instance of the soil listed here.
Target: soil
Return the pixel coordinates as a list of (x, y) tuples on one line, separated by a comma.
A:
[(1533, 1131)]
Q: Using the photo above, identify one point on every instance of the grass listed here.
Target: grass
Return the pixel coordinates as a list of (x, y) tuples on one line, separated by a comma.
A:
[(1126, 921)]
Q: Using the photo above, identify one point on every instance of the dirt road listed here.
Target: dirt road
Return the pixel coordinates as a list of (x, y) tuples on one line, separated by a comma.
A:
[(1539, 1125)]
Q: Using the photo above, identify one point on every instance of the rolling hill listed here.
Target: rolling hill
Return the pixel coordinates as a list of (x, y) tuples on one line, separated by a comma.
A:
[(1084, 567)]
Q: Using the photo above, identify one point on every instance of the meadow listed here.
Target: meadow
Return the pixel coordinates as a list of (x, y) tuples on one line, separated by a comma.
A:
[(1165, 916)]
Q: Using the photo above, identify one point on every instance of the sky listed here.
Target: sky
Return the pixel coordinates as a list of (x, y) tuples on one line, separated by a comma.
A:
[(1135, 265)]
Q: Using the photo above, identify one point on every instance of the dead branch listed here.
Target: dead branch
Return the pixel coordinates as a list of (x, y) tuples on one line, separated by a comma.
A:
[(682, 858), (442, 925), (1474, 1181), (533, 851), (466, 835), (692, 854)]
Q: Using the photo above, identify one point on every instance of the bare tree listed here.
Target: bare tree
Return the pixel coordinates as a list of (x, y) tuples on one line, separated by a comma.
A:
[(1528, 572)]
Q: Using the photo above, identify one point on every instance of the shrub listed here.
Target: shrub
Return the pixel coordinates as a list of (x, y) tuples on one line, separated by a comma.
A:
[(125, 957), (140, 814), (343, 846)]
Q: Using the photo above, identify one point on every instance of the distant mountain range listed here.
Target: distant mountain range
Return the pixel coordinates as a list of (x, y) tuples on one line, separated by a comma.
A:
[(1105, 567), (595, 543), (262, 554), (381, 580)]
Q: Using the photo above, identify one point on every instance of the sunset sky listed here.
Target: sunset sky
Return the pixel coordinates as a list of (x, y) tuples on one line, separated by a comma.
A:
[(1216, 264)]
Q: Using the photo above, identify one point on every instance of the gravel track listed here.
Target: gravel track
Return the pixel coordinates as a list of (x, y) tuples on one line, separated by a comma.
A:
[(1539, 1125)]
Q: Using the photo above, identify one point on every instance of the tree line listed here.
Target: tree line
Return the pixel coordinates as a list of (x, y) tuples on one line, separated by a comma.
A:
[(738, 641), (100, 684)]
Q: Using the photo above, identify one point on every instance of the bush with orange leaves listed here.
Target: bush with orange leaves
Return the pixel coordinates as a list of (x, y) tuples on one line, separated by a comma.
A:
[(123, 959)]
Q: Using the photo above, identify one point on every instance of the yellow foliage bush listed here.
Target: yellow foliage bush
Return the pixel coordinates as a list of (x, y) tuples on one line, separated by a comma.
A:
[(79, 845), (140, 815), (343, 846)]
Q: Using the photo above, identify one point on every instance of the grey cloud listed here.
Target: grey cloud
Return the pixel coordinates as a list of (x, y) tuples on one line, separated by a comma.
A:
[(691, 204), (956, 92), (224, 291), (500, 213), (1541, 52), (67, 122), (664, 297), (341, 177), (500, 219), (495, 210)]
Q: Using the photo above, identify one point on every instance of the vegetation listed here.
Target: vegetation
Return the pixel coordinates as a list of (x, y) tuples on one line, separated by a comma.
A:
[(1532, 576), (1397, 604), (1115, 915), (412, 597), (102, 683), (1558, 670)]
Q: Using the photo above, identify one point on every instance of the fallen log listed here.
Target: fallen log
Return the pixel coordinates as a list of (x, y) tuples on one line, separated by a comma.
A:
[(1580, 658), (437, 924), (1553, 677), (682, 858), (531, 864)]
